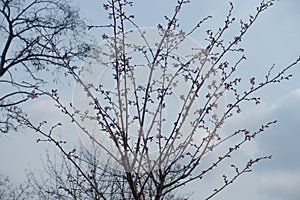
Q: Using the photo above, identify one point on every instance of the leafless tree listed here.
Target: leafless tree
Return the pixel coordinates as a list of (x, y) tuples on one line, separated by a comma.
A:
[(24, 52), (155, 154), (60, 180), (8, 190)]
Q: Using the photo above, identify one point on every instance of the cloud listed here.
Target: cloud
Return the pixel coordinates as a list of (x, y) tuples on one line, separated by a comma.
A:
[(283, 140), (278, 178), (279, 185)]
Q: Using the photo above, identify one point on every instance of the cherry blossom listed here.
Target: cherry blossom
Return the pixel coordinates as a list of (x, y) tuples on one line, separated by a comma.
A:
[(65, 56), (181, 34), (205, 52), (214, 104), (159, 26), (105, 6), (227, 85), (32, 95), (177, 9), (199, 111), (252, 80), (104, 36), (246, 132)]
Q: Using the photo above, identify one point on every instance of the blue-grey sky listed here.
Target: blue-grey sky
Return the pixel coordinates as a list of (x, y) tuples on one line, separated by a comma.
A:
[(273, 39)]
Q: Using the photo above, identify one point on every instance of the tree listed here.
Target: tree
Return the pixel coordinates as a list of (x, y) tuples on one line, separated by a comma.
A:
[(11, 191), (158, 144), (25, 54)]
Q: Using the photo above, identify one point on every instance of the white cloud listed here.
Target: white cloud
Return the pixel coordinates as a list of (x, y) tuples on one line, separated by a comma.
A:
[(281, 184), (278, 178)]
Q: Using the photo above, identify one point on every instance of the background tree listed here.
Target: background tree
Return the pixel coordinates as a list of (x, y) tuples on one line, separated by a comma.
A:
[(8, 190), (25, 54), (60, 180), (131, 114)]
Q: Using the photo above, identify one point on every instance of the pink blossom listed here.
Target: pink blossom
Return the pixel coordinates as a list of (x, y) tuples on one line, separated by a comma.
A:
[(181, 34), (106, 108), (237, 39), (186, 78), (203, 60), (32, 95), (227, 85), (105, 6), (252, 81), (205, 52), (226, 64), (214, 58), (159, 26), (104, 36), (199, 111), (65, 56), (214, 104), (159, 136), (215, 116), (213, 84), (177, 9), (246, 132)]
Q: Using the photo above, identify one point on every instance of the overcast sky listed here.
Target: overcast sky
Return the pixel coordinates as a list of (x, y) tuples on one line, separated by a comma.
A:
[(273, 39)]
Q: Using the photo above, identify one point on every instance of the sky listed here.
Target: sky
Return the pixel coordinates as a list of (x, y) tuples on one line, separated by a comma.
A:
[(273, 39)]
